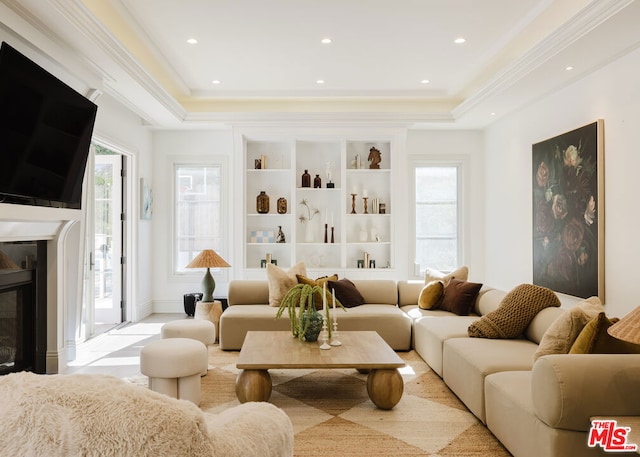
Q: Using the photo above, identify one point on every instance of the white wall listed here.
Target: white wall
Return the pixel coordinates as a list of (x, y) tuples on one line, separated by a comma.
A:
[(612, 94), (169, 147), (466, 146)]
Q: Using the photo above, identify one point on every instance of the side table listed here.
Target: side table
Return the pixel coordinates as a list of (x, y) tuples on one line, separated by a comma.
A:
[(210, 310)]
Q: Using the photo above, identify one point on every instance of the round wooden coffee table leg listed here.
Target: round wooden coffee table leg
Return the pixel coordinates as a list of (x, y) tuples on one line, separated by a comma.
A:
[(385, 388), (253, 385)]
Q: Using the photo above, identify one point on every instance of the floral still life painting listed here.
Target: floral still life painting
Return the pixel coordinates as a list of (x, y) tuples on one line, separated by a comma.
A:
[(568, 216)]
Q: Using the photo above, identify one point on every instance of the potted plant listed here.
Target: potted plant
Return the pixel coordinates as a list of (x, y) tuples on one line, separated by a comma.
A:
[(306, 321)]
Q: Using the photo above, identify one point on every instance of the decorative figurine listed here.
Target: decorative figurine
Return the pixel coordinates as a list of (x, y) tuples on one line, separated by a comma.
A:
[(280, 236), (375, 158)]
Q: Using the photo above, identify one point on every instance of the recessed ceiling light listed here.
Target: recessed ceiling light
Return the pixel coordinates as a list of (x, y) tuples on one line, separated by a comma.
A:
[(320, 81), (192, 41), (425, 81), (325, 41), (215, 81), (459, 40), (568, 68), (493, 114)]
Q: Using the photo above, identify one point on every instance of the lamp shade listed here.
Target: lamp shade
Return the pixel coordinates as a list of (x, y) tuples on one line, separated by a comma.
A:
[(208, 258), (628, 328)]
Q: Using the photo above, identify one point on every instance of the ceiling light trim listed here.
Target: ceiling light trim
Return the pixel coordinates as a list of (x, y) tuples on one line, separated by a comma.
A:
[(582, 23)]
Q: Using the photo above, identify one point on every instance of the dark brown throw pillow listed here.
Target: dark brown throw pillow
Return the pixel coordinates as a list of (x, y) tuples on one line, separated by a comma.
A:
[(346, 293), (459, 296), (516, 310)]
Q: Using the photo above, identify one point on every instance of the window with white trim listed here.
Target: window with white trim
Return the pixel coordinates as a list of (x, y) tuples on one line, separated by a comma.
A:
[(197, 212), (437, 229)]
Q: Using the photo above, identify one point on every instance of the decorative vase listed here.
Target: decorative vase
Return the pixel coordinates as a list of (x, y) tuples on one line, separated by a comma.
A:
[(282, 205), (315, 325), (262, 203), (306, 179), (317, 182), (308, 232)]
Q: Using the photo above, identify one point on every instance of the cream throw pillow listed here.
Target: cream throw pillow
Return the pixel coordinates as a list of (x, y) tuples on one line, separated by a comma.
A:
[(461, 273), (281, 281), (564, 331)]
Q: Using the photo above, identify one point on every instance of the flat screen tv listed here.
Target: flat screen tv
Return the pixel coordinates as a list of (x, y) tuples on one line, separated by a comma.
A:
[(45, 134)]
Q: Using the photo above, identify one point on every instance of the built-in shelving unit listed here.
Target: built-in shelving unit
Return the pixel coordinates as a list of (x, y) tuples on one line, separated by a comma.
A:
[(276, 166)]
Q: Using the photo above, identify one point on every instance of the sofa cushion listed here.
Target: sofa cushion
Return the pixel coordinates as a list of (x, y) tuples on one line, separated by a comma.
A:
[(281, 281), (594, 339), (346, 292), (320, 282), (431, 274), (431, 295), (515, 312), (560, 335), (460, 296)]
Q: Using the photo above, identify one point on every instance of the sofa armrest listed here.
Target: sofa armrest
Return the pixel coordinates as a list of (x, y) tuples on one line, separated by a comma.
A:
[(568, 389)]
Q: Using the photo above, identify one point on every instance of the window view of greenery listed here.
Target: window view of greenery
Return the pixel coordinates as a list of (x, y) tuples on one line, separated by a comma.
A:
[(198, 222), (436, 197)]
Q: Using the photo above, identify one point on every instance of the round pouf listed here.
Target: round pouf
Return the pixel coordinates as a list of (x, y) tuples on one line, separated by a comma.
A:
[(197, 329), (174, 366)]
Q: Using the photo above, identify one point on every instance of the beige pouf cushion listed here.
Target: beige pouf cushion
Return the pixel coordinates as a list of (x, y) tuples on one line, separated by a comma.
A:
[(197, 329), (174, 366)]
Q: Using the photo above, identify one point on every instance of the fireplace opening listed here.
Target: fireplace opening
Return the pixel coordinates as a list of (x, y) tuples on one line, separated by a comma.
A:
[(23, 308)]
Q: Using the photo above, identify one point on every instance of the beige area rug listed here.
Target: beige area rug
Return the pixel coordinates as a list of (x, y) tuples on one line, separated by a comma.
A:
[(333, 416)]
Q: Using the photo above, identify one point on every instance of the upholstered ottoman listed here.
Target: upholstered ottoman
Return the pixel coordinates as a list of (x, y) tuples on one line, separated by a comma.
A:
[(197, 329), (174, 367)]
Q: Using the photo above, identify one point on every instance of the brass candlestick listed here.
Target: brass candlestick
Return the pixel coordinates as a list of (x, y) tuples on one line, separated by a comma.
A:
[(364, 200), (353, 203), (332, 239), (325, 233)]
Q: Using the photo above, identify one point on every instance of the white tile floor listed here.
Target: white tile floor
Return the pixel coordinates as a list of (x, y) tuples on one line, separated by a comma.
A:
[(117, 352)]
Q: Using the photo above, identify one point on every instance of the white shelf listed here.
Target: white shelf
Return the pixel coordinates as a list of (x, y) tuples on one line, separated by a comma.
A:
[(290, 157)]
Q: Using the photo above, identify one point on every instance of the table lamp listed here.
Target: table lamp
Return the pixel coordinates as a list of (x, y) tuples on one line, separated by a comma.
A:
[(628, 328), (208, 259)]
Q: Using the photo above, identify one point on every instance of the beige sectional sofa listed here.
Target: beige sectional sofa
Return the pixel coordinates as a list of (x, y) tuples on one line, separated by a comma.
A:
[(249, 309), (534, 409)]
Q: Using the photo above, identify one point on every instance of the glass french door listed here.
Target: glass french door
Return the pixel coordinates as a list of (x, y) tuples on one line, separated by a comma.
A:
[(103, 298)]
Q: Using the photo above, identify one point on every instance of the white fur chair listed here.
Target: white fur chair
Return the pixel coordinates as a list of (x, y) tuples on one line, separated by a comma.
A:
[(100, 415)]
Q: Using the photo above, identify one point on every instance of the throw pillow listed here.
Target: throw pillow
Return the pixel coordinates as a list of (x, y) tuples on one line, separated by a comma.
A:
[(461, 273), (563, 332), (347, 293), (594, 339), (459, 296), (317, 297), (431, 295), (515, 312), (281, 281)]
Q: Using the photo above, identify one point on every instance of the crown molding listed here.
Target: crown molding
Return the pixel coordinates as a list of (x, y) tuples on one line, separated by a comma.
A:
[(589, 18)]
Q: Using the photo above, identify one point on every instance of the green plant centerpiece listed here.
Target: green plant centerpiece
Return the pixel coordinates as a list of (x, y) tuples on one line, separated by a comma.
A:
[(306, 321)]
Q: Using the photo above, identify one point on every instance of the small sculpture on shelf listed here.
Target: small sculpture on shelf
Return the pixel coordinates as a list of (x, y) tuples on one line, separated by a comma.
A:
[(375, 157), (280, 236), (328, 166)]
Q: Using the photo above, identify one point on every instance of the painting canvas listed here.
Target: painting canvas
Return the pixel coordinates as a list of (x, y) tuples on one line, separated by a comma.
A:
[(568, 212), (146, 200)]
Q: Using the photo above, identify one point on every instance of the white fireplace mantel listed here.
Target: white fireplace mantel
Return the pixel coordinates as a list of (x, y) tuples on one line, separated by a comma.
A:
[(62, 229)]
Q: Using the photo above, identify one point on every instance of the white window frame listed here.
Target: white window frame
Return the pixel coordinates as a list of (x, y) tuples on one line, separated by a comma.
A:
[(225, 251), (459, 164)]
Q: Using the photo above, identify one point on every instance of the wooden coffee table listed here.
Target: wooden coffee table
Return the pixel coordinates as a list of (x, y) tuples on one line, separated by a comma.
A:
[(364, 351)]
